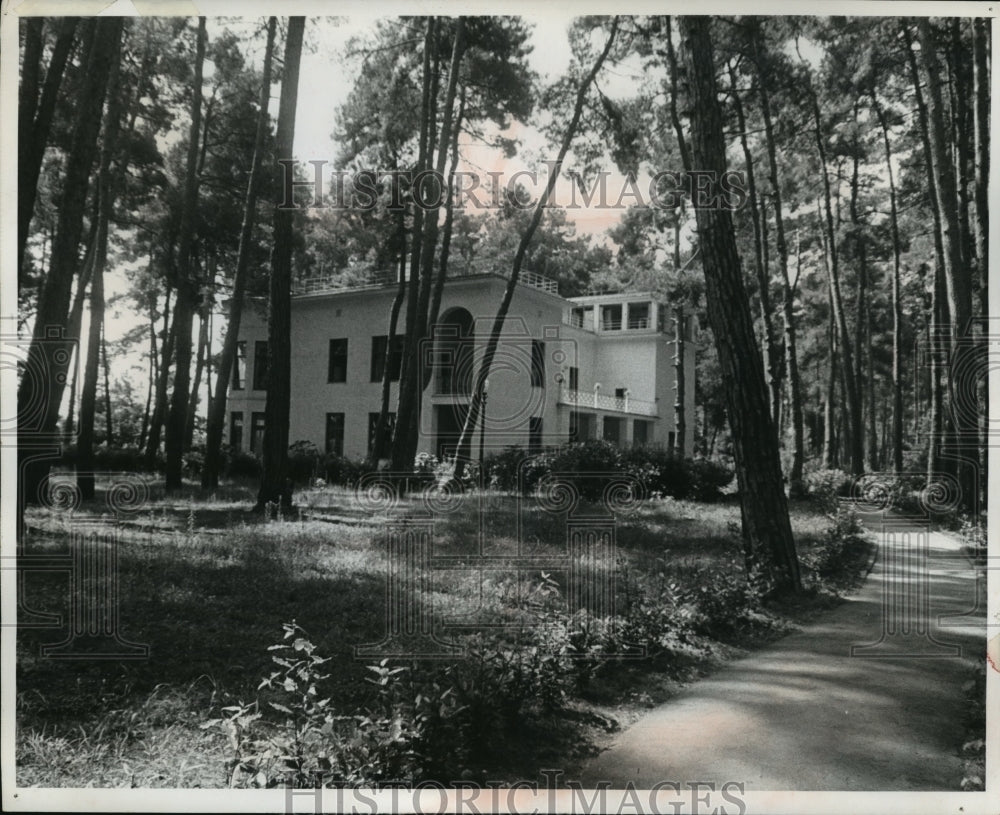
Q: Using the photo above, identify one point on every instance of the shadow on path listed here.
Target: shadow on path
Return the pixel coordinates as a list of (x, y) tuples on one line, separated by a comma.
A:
[(869, 698)]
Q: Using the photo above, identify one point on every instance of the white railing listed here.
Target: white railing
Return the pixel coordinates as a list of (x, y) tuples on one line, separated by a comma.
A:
[(599, 401), (346, 281)]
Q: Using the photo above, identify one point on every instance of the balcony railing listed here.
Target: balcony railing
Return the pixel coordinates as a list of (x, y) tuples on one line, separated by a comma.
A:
[(599, 401), (360, 279)]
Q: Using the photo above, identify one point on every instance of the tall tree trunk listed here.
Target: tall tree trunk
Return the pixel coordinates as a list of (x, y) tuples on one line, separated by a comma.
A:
[(957, 280), (938, 309), (108, 414), (411, 389), (981, 118), (963, 148), (153, 369), (217, 406), (680, 418), (405, 408), (773, 350), (831, 459), (874, 463), (40, 396), (35, 123), (897, 317), (833, 272), (472, 418), (767, 532), (162, 382), (105, 203), (201, 360), (680, 423), (187, 284), (274, 484), (791, 354), (383, 434)]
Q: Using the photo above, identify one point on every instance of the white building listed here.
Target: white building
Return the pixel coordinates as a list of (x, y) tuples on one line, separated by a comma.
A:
[(567, 369)]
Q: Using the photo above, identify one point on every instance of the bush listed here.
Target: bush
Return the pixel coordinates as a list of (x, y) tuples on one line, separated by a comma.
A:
[(664, 473), (303, 462), (827, 485), (578, 461), (502, 468), (241, 464), (340, 470)]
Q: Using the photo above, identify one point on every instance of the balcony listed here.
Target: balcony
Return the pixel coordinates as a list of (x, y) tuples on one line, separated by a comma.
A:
[(360, 279), (598, 401)]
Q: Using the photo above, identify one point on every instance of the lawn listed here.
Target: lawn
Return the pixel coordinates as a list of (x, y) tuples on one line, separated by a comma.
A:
[(208, 587)]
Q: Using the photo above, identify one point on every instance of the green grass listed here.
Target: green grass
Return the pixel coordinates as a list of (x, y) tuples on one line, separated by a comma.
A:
[(207, 585)]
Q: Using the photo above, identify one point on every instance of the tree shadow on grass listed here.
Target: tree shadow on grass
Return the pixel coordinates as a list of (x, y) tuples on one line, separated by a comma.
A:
[(201, 618)]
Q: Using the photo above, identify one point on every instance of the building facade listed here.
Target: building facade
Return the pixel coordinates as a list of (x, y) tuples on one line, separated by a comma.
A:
[(566, 369)]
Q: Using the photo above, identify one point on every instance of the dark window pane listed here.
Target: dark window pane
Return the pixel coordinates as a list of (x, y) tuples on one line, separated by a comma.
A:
[(260, 365), (236, 430), (337, 370), (335, 433), (256, 432), (574, 378)]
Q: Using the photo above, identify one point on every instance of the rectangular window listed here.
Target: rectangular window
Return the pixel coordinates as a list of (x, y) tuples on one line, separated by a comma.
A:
[(671, 441), (535, 434), (638, 315), (574, 378), (395, 357), (640, 432), (337, 369), (390, 420), (537, 363), (236, 430), (335, 433), (260, 365), (611, 317), (612, 429), (240, 366), (257, 433), (619, 393)]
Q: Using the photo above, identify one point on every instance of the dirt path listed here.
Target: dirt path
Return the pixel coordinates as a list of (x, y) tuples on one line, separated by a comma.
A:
[(807, 714)]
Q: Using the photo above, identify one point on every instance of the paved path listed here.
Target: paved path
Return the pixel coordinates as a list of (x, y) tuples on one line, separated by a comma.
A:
[(805, 714)]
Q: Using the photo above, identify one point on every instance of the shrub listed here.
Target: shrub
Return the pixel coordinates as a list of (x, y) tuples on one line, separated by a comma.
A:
[(340, 470), (578, 461), (502, 468), (707, 479), (664, 473), (303, 462), (241, 464), (827, 484), (119, 459)]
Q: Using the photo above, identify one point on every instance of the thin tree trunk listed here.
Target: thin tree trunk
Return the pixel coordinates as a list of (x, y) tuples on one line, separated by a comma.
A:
[(874, 463), (274, 484), (957, 280), (40, 396), (791, 354), (411, 389), (405, 409), (897, 318), (35, 124), (153, 368), (163, 379), (108, 415), (472, 418), (833, 272), (773, 350), (217, 406), (187, 285), (680, 423)]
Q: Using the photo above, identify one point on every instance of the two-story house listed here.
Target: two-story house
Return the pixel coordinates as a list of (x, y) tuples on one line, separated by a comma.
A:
[(566, 369)]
